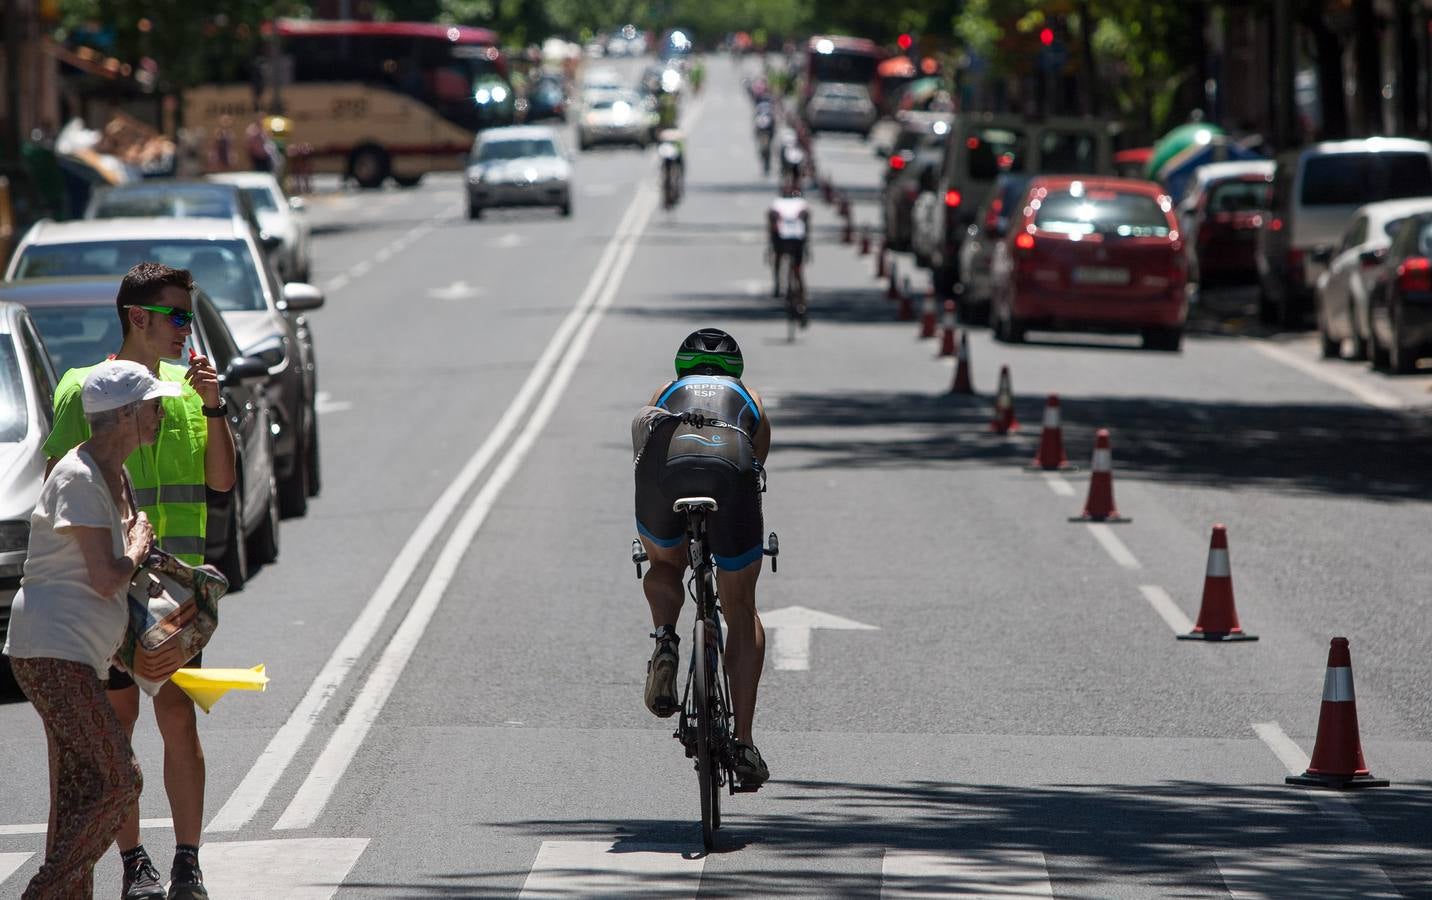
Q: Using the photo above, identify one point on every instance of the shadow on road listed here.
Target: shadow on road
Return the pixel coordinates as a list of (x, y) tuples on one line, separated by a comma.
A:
[(848, 306), (1170, 836), (1327, 448)]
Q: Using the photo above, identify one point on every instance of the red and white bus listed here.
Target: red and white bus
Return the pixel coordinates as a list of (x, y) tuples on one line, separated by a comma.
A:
[(365, 100)]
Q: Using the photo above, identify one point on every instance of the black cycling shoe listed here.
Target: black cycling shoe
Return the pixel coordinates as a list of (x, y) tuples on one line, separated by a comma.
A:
[(661, 676), (141, 880), (748, 765)]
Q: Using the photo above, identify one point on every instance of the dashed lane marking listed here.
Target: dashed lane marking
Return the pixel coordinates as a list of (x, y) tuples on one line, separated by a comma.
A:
[(988, 873), (1368, 394), (10, 863), (1113, 546), (1163, 605), (1058, 484), (296, 869), (571, 869), (1334, 806)]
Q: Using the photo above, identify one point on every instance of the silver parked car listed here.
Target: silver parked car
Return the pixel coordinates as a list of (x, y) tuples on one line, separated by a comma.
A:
[(265, 314), (523, 165), (27, 401), (835, 106), (280, 216)]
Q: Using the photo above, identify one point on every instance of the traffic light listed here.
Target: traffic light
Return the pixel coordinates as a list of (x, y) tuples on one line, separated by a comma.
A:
[(904, 42), (1046, 36)]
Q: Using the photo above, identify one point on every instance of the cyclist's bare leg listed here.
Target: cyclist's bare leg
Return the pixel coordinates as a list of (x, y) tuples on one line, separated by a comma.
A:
[(775, 271), (663, 582), (745, 642)]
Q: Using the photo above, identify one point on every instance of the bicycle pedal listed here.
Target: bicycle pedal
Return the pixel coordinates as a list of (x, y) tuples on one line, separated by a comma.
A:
[(745, 788)]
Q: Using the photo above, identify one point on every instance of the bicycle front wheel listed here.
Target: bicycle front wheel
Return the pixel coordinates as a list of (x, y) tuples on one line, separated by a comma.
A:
[(703, 693)]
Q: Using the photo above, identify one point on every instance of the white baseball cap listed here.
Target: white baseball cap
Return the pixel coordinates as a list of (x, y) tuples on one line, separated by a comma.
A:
[(117, 383)]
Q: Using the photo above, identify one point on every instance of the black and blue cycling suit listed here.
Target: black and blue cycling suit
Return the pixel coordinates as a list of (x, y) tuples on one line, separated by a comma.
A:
[(676, 461)]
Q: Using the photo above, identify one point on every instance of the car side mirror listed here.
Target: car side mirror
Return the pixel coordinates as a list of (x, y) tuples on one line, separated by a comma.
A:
[(270, 241), (299, 297), (297, 204), (1322, 254), (244, 368)]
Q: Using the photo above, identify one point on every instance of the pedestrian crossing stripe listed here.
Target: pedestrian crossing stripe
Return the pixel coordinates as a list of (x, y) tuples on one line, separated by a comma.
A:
[(10, 862), (570, 869), (968, 874), (1321, 872), (295, 869)]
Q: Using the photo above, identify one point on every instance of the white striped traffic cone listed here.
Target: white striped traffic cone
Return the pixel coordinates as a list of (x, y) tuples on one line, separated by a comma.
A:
[(1217, 614), (1099, 507), (1337, 753)]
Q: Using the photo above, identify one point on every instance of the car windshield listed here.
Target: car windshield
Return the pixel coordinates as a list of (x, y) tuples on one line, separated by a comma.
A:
[(261, 198), (1352, 179), (78, 336), (226, 270), (14, 418), (198, 203), (1105, 212), (496, 151), (1240, 196)]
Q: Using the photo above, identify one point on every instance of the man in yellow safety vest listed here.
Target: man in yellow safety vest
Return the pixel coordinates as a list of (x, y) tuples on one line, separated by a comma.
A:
[(194, 450)]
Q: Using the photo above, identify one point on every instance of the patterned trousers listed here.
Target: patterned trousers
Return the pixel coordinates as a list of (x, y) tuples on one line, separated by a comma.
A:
[(94, 776)]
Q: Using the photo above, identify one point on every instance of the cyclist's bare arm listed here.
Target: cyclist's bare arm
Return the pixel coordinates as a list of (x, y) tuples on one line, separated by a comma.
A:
[(761, 440)]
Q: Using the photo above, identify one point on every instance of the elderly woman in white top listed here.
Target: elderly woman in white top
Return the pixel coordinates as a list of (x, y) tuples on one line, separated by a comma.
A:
[(86, 541)]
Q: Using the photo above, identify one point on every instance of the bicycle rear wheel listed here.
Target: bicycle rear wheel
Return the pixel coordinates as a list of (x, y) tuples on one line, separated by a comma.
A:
[(702, 690)]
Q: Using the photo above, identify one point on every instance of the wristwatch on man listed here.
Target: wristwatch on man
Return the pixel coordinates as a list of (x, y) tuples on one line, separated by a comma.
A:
[(217, 412)]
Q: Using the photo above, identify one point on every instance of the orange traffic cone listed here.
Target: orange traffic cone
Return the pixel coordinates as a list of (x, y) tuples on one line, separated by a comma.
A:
[(927, 315), (1051, 440), (892, 288), (962, 383), (1217, 615), (947, 330), (1099, 507), (882, 259), (847, 231), (1337, 752), (865, 242), (1004, 421)]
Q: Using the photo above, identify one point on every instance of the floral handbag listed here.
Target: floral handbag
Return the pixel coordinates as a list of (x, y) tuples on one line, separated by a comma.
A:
[(173, 611)]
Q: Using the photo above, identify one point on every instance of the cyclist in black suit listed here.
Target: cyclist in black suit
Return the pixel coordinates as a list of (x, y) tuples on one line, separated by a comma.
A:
[(676, 457)]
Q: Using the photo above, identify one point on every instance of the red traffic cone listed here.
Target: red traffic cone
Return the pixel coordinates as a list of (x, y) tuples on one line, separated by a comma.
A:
[(947, 330), (892, 288), (905, 312), (881, 260), (1337, 752), (827, 190), (865, 242), (1099, 507), (1004, 421), (847, 230), (927, 315), (962, 383), (1217, 615), (1051, 440)]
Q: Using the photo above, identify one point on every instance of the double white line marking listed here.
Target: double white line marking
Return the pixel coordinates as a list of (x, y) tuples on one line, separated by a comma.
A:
[(524, 417)]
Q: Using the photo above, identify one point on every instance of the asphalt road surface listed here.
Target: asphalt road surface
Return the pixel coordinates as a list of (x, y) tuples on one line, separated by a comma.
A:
[(972, 696)]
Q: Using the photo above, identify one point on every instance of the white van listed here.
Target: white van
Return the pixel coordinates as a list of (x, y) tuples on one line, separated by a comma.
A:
[(1315, 190)]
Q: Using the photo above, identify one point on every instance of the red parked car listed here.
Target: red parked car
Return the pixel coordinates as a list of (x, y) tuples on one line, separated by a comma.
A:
[(1089, 253), (1224, 233)]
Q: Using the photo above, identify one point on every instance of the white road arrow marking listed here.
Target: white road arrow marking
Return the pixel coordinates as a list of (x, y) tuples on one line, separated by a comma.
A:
[(793, 625), (458, 290), (324, 403), (10, 863)]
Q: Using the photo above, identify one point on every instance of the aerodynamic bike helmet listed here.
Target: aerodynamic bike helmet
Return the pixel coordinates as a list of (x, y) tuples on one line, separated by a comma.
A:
[(709, 351)]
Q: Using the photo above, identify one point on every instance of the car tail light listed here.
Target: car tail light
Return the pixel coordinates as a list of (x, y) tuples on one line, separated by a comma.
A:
[(1414, 275), (952, 198), (991, 221), (1276, 224), (1024, 241), (897, 162)]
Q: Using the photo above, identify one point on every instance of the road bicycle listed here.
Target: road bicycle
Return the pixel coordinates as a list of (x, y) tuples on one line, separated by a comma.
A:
[(795, 294), (705, 725)]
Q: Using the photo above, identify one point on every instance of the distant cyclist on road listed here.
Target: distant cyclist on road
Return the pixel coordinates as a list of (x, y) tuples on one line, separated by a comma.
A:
[(707, 387), (672, 150), (788, 227)]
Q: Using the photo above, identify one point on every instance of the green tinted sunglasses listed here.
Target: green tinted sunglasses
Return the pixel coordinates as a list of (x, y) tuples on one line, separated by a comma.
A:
[(177, 317)]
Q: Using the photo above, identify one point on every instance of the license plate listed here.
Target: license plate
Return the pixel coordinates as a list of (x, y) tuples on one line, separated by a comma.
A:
[(1100, 275)]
